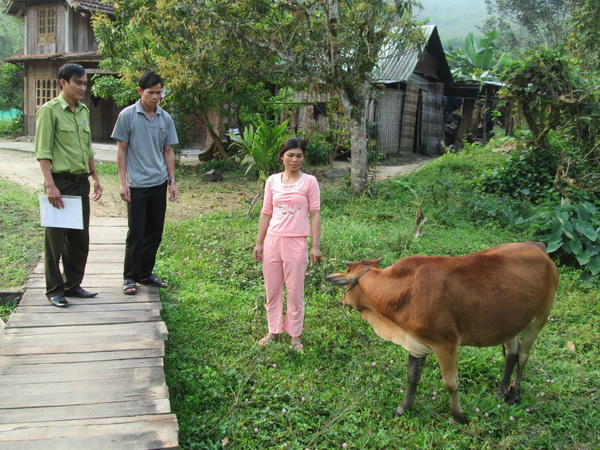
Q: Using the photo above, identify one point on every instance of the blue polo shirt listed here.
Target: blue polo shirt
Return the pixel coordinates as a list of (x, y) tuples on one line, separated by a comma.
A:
[(146, 139)]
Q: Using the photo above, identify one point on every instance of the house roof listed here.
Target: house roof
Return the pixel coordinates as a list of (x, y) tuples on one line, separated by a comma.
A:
[(17, 7), (73, 56), (397, 66), (105, 6)]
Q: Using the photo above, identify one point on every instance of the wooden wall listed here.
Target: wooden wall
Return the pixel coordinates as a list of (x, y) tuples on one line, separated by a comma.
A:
[(388, 115), (410, 119), (103, 113), (432, 122)]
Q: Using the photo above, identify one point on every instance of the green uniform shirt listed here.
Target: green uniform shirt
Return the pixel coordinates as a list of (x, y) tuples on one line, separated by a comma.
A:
[(64, 136)]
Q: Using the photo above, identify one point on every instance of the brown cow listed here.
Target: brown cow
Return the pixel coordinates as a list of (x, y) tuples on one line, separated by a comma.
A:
[(434, 304)]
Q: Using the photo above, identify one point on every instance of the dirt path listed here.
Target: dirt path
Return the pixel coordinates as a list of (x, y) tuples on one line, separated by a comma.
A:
[(21, 167)]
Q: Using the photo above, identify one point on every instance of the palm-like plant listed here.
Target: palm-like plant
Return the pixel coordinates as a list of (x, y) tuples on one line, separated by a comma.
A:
[(261, 145)]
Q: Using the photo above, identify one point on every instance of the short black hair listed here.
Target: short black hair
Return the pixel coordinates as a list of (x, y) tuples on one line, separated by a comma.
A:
[(149, 79), (292, 143), (70, 70)]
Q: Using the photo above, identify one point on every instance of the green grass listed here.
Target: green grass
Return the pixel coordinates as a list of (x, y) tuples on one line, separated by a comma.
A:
[(227, 391), (21, 238)]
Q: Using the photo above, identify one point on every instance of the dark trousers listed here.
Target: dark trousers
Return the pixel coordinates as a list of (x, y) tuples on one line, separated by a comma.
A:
[(146, 219), (70, 245)]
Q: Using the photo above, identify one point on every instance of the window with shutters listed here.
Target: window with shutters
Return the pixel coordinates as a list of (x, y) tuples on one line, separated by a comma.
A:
[(46, 26), (45, 90)]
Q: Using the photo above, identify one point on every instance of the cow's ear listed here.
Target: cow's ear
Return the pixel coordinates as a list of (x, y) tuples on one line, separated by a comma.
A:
[(340, 279)]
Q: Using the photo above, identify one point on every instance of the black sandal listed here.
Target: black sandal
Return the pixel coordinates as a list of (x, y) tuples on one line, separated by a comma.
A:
[(129, 287), (153, 280)]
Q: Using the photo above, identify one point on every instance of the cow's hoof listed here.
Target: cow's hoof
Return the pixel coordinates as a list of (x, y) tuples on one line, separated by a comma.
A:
[(398, 412), (459, 418), (512, 397)]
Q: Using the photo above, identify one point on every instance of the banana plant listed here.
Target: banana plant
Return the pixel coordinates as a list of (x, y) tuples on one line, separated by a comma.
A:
[(478, 59), (261, 144)]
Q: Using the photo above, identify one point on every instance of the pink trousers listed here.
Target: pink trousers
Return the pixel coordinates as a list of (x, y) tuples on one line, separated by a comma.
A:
[(285, 260)]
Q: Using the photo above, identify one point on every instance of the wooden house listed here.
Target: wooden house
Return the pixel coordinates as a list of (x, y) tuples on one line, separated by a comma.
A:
[(409, 107), (59, 32)]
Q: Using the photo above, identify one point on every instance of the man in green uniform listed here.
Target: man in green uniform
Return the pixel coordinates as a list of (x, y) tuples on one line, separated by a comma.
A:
[(63, 146)]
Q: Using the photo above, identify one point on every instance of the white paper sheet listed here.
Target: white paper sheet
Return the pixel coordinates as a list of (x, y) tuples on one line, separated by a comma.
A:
[(71, 216)]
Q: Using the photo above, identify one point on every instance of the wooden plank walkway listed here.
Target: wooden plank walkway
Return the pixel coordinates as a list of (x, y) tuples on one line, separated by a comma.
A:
[(89, 376)]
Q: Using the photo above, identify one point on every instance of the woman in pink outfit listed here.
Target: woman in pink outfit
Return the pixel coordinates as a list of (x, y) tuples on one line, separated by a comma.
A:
[(290, 213)]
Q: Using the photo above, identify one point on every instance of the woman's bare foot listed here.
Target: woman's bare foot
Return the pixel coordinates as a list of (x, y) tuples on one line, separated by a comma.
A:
[(270, 337)]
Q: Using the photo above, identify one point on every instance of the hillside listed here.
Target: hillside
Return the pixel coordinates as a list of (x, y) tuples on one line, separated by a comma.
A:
[(454, 19)]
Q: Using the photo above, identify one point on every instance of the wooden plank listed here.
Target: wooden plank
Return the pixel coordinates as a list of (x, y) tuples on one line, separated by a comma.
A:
[(97, 347), (88, 339), (84, 386), (73, 358), (107, 247), (76, 330), (83, 397), (97, 268), (147, 431), (156, 329), (111, 294), (79, 304), (37, 280), (95, 411), (96, 222), (74, 368), (131, 374), (67, 316)]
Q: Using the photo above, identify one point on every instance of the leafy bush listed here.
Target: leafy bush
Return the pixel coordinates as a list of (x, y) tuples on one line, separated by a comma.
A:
[(220, 165), (318, 150), (572, 231), (555, 97), (524, 175), (13, 128)]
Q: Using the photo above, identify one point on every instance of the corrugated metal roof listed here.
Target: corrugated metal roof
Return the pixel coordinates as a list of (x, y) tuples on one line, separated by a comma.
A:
[(395, 65)]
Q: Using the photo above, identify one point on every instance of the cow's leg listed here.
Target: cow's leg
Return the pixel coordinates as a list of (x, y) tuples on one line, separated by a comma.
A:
[(529, 336), (448, 360), (511, 354), (415, 367)]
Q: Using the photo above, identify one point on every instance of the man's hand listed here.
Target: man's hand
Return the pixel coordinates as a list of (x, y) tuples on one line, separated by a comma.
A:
[(173, 192), (125, 192), (98, 189), (54, 196)]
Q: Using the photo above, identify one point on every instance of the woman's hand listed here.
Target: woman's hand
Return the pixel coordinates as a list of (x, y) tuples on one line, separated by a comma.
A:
[(315, 255), (257, 253)]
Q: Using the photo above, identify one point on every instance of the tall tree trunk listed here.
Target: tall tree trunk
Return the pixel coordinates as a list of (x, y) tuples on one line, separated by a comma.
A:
[(358, 152), (357, 124)]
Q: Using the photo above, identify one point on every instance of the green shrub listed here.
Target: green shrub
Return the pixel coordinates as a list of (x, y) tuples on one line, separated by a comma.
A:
[(571, 231), (12, 128), (220, 165), (524, 175), (318, 150)]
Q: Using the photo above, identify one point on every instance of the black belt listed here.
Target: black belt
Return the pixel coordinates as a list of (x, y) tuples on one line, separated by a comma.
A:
[(77, 178)]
